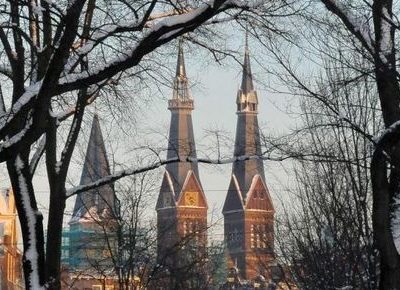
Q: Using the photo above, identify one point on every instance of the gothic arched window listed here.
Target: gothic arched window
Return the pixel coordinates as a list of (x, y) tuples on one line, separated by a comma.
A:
[(252, 241)]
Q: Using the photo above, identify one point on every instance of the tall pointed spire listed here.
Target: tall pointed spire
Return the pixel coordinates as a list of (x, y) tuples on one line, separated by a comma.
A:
[(95, 167), (247, 78), (181, 136), (247, 140), (180, 65), (181, 204), (248, 209), (181, 85), (247, 100)]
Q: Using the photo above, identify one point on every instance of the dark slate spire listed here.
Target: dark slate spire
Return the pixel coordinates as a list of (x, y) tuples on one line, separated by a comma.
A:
[(181, 137), (101, 199), (247, 140)]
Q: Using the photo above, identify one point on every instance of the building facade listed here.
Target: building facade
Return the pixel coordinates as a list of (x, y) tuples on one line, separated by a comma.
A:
[(248, 209), (181, 205), (10, 254)]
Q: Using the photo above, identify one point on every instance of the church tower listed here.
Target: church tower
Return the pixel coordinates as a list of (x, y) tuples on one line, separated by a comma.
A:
[(93, 216), (248, 210), (182, 206)]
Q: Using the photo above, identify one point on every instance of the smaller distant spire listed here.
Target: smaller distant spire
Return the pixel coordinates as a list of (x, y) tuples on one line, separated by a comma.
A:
[(95, 166)]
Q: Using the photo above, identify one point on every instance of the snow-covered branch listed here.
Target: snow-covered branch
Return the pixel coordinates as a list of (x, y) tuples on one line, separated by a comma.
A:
[(132, 171), (359, 27), (9, 142), (221, 161), (389, 135), (7, 118), (160, 32), (37, 155)]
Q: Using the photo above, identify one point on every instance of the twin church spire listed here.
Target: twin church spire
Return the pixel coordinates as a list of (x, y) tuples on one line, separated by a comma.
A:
[(181, 141), (248, 210), (182, 206)]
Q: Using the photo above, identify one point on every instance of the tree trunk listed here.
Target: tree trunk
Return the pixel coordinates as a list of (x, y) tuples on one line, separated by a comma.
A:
[(385, 188), (31, 222), (382, 196), (54, 237)]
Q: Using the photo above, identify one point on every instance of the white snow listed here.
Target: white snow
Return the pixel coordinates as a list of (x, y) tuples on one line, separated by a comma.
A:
[(38, 10), (36, 156), (387, 131), (58, 166), (171, 185), (171, 33), (17, 137), (30, 252), (386, 44), (127, 172), (30, 92)]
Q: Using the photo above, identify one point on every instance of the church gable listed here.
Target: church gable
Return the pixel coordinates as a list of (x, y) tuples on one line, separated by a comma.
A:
[(258, 196), (233, 199), (192, 194), (166, 197)]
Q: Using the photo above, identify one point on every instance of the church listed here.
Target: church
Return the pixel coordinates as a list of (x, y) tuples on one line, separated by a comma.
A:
[(182, 260), (182, 206)]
